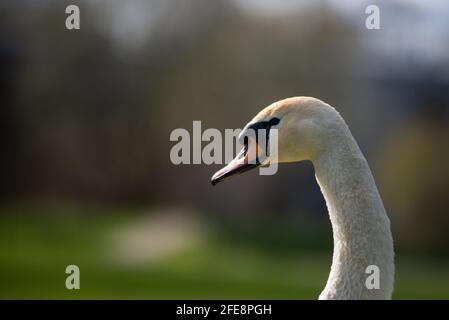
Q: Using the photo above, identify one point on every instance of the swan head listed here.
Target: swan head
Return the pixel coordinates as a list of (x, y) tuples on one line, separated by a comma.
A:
[(304, 127)]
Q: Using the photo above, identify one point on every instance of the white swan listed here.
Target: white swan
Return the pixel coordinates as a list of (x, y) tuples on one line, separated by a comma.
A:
[(309, 129)]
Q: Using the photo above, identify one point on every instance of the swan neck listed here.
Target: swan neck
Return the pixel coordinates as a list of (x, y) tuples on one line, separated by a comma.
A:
[(361, 228)]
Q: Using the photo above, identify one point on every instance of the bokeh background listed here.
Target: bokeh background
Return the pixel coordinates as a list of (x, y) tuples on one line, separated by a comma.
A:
[(85, 120)]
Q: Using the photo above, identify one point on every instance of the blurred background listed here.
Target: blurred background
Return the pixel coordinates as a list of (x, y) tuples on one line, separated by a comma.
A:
[(85, 120)]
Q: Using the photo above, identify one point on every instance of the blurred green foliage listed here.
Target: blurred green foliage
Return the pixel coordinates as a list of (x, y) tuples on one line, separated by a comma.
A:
[(36, 246)]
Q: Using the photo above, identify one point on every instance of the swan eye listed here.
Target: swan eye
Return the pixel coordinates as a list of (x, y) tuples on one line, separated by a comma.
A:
[(274, 121), (261, 125)]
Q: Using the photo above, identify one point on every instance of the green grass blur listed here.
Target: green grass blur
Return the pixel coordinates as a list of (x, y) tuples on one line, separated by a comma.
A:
[(36, 247)]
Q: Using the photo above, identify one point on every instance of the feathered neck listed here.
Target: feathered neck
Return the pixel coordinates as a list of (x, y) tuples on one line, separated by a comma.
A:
[(361, 228)]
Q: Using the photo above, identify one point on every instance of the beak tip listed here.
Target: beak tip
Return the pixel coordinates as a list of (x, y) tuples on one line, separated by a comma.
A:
[(214, 180)]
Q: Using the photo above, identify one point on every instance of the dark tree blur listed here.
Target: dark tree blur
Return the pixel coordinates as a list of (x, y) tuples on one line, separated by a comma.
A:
[(86, 115)]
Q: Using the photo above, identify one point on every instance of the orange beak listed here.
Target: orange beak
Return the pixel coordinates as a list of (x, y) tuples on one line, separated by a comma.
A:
[(246, 160)]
